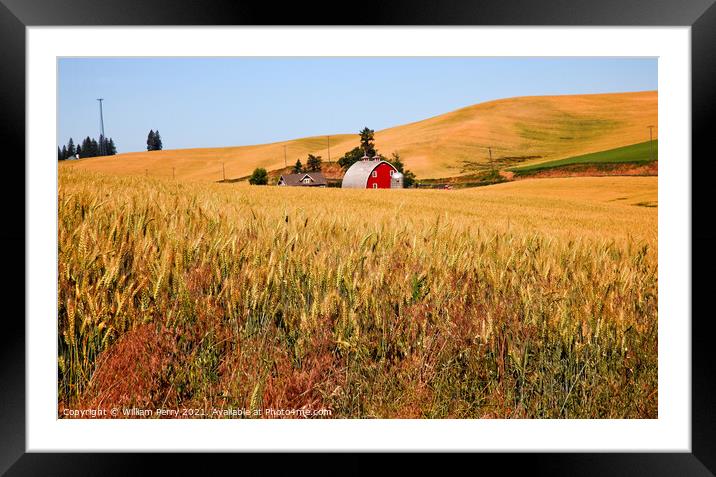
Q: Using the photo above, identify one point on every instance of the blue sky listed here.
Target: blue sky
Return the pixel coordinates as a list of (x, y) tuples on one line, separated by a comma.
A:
[(211, 102)]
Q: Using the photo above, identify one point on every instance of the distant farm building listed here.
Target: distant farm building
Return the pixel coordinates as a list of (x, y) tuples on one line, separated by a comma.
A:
[(305, 179), (372, 173)]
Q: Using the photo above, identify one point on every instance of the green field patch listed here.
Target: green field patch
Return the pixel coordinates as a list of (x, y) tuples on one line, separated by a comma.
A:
[(636, 154)]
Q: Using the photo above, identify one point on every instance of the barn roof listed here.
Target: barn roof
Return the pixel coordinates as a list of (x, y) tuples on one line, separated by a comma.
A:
[(357, 175), (295, 179)]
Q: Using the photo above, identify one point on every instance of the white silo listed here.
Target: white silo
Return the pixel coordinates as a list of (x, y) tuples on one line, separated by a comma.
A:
[(396, 180)]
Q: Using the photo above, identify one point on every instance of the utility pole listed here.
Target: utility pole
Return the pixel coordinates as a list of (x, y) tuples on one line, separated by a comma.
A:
[(329, 149), (492, 165), (223, 171), (101, 128), (285, 164), (651, 143), (173, 175)]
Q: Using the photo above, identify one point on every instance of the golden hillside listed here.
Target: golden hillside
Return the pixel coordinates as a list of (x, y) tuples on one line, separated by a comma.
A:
[(539, 127)]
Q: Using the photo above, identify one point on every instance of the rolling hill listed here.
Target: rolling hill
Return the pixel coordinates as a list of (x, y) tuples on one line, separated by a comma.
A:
[(522, 130)]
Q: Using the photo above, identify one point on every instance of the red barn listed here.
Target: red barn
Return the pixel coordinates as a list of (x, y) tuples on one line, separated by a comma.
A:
[(372, 173)]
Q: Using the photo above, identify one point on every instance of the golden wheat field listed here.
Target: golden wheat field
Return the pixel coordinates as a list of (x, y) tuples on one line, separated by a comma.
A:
[(530, 299), (536, 128)]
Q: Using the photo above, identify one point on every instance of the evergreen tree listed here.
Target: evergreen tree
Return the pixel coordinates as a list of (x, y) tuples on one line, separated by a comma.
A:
[(397, 162), (408, 178), (70, 148), (367, 148), (298, 167), (87, 146), (367, 142), (313, 163), (111, 148), (154, 141), (151, 141), (259, 177)]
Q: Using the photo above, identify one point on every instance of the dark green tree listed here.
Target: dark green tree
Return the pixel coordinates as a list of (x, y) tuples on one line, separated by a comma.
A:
[(313, 163), (366, 148), (408, 176), (151, 141), (59, 154), (70, 148), (94, 147), (111, 148), (78, 151), (350, 157), (64, 152), (87, 149), (157, 141), (396, 160), (367, 142), (298, 167), (259, 177)]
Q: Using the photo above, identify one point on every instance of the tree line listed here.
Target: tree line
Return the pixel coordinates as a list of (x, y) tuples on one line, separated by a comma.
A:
[(313, 164), (90, 147)]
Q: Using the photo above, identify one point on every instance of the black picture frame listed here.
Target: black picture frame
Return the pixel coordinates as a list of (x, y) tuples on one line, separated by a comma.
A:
[(700, 15)]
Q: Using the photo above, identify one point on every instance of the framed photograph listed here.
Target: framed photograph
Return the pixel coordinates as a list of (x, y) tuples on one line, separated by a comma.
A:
[(429, 228)]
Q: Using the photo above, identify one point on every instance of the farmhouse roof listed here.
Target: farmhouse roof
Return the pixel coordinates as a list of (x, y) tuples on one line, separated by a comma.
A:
[(297, 179), (357, 175)]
